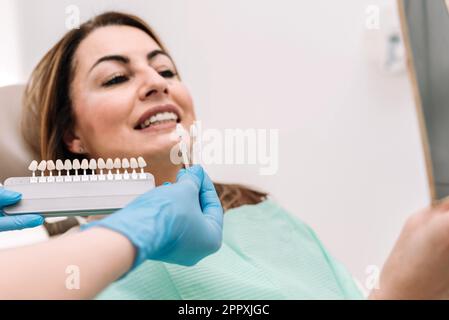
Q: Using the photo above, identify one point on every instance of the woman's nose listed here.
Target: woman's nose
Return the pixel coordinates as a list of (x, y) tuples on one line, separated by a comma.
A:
[(154, 85)]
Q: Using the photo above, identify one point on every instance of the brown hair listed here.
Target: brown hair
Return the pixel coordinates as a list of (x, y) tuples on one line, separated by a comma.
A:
[(48, 112)]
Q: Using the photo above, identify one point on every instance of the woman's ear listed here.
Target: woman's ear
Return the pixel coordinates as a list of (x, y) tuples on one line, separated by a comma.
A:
[(73, 142)]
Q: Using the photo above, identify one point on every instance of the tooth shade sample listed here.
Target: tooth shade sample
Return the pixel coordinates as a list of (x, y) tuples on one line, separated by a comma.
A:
[(142, 163), (84, 164), (117, 163), (109, 164), (67, 165), (125, 163), (180, 131), (51, 165), (76, 164), (59, 165), (101, 164), (92, 164), (42, 165), (33, 166), (134, 164)]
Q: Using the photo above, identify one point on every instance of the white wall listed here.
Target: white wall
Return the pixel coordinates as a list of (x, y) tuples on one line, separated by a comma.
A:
[(351, 163), (10, 64)]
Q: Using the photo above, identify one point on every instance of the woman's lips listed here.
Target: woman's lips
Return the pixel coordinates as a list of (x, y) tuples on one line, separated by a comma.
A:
[(161, 126)]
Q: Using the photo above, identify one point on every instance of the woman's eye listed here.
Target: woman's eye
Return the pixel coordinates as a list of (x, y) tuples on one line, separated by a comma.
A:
[(115, 80), (167, 73)]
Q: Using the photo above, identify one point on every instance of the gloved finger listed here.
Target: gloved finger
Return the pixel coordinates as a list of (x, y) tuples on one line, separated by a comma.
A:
[(193, 174), (8, 197), (166, 183), (180, 173), (9, 223), (209, 200)]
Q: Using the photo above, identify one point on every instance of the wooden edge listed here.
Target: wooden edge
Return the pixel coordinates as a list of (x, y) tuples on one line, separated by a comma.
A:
[(418, 102)]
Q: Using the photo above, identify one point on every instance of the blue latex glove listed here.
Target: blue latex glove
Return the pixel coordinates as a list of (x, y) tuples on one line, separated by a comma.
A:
[(178, 223), (8, 223)]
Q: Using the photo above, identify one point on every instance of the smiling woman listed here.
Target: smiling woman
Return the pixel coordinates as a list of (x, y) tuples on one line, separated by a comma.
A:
[(110, 89)]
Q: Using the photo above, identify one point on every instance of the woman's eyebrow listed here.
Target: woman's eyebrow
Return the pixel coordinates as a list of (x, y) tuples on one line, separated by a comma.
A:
[(125, 60), (157, 52), (121, 59)]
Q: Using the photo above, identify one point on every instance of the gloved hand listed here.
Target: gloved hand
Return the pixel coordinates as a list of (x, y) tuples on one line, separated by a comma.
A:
[(8, 223), (178, 223)]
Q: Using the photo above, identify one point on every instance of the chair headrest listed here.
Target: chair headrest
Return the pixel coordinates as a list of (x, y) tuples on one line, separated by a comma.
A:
[(15, 155)]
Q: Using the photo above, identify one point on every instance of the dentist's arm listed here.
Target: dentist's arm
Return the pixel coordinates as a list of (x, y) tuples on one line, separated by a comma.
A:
[(77, 266), (179, 223)]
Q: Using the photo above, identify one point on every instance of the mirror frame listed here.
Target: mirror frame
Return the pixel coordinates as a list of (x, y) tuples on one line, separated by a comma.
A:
[(417, 99)]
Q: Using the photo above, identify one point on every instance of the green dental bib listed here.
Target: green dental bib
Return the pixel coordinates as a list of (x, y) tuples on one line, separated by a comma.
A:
[(266, 254)]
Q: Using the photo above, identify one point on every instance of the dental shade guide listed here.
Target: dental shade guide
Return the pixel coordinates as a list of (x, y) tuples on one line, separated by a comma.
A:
[(134, 166), (142, 164), (193, 141), (77, 188), (182, 134)]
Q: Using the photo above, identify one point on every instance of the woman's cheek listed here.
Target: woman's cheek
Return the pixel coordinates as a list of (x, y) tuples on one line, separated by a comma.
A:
[(100, 120), (111, 109), (185, 101)]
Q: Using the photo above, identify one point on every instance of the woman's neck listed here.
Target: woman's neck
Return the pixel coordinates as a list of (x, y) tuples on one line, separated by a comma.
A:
[(163, 172)]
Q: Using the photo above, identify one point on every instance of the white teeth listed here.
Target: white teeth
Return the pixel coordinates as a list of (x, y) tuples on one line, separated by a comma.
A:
[(165, 116), (162, 116)]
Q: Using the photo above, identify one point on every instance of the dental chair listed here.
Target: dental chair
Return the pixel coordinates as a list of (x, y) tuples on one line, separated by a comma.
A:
[(15, 157)]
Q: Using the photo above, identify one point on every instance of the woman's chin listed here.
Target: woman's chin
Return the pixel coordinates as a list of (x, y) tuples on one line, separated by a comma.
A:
[(159, 148), (155, 143)]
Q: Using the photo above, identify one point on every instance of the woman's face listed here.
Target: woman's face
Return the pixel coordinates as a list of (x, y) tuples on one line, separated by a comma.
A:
[(126, 97)]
